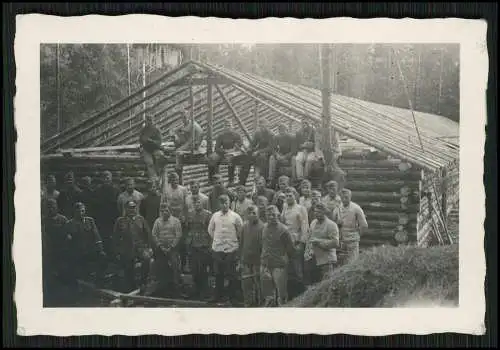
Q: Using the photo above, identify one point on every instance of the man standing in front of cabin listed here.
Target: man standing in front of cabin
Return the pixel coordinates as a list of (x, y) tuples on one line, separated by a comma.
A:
[(322, 242), (242, 202), (194, 186), (251, 247), (166, 235), (332, 201), (352, 223), (277, 249), (198, 243), (225, 229), (294, 216), (130, 194)]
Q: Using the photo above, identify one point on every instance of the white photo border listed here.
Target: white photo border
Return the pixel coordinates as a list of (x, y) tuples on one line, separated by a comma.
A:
[(33, 319)]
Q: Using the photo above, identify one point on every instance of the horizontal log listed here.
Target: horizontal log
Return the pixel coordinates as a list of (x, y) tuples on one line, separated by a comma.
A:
[(202, 81), (380, 186), (375, 196), (389, 225), (362, 154), (389, 215), (381, 206), (382, 174), (369, 163)]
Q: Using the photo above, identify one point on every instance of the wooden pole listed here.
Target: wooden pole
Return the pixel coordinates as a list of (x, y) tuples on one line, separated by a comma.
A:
[(440, 80), (210, 118), (325, 53), (419, 73), (128, 77), (58, 91), (144, 82), (191, 114), (233, 111)]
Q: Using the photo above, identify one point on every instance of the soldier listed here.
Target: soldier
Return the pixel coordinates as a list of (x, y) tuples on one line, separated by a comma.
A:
[(106, 211), (277, 248), (132, 237), (305, 191), (353, 222), (282, 153), (294, 216), (262, 190), (166, 234), (315, 199), (187, 139), (130, 194), (227, 142), (262, 204), (150, 206), (332, 201), (306, 141), (322, 242), (242, 202), (198, 243), (194, 187), (87, 196), (251, 248), (151, 147), (50, 190), (87, 249), (69, 195), (218, 189), (55, 252), (261, 147), (225, 229)]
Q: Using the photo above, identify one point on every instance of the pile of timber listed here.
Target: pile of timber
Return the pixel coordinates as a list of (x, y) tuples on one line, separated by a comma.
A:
[(387, 189)]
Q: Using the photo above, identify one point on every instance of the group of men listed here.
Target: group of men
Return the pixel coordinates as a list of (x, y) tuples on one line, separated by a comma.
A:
[(268, 244), (272, 155)]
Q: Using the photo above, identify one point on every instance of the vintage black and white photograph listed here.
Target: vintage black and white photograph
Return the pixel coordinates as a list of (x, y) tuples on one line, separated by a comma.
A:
[(255, 175), (250, 175)]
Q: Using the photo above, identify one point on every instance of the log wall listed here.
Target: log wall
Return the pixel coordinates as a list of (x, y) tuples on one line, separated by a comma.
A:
[(386, 188), (439, 203)]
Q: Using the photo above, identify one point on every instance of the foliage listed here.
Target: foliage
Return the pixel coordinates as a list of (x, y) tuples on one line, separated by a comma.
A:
[(388, 277), (93, 76)]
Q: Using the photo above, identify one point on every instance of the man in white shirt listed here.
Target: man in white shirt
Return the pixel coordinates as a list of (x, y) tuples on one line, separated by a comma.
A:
[(352, 223), (225, 229)]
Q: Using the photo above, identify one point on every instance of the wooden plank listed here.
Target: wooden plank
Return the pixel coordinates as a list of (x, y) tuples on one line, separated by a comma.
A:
[(235, 114), (203, 81)]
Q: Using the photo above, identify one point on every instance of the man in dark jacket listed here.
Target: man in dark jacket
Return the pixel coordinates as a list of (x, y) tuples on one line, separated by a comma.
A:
[(151, 151), (106, 211), (228, 142), (282, 155), (70, 194), (262, 146)]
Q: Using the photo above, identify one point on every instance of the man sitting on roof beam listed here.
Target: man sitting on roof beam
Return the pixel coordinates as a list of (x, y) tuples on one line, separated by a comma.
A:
[(187, 139), (306, 150), (151, 149), (229, 144), (261, 148)]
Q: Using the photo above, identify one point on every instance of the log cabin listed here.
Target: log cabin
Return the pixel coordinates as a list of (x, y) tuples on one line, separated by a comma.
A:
[(402, 166)]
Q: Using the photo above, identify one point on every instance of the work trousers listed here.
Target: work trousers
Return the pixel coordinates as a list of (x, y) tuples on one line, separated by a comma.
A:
[(303, 163), (250, 284), (274, 286), (150, 159), (296, 272), (261, 164), (179, 156), (167, 272), (242, 160), (225, 268), (349, 252), (130, 282), (201, 260)]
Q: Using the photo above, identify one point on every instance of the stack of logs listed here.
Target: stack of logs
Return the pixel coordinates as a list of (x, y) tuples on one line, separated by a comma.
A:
[(387, 189)]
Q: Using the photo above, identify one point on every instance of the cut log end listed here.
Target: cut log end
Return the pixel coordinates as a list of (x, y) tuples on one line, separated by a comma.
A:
[(401, 237)]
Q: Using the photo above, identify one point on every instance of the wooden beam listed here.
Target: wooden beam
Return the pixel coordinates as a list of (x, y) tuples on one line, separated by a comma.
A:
[(203, 81), (235, 114), (210, 118)]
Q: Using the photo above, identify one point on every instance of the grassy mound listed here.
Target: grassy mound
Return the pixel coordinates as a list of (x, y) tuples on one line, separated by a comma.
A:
[(390, 277)]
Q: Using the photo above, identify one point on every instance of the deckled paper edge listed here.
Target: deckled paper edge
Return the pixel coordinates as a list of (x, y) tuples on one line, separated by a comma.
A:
[(34, 29)]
